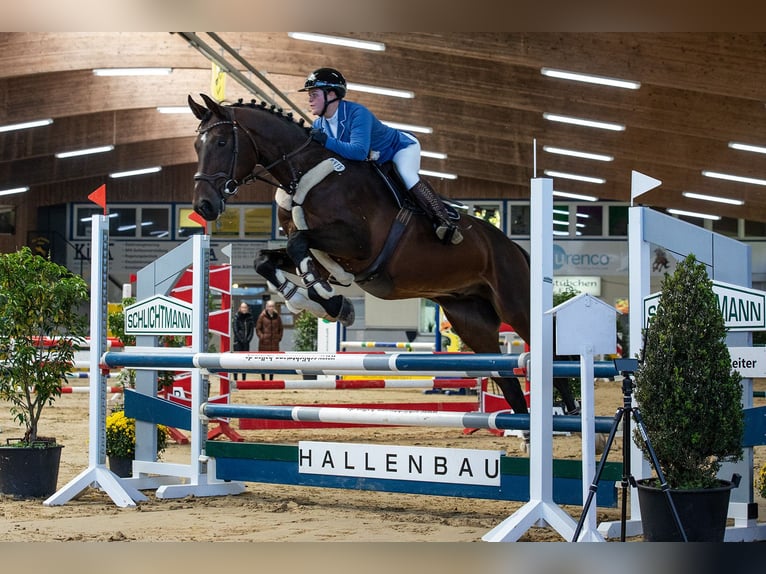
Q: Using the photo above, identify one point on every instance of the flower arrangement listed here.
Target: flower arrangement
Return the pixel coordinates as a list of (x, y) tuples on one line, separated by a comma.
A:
[(760, 481), (121, 436)]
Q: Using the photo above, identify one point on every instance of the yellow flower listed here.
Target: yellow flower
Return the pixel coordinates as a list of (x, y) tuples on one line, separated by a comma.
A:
[(121, 436), (760, 481)]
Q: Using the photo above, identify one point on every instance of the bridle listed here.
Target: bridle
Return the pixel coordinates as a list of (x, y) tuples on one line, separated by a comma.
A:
[(231, 183)]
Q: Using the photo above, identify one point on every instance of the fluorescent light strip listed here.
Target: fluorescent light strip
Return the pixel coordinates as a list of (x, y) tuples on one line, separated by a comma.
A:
[(338, 41), (574, 196), (590, 79), (174, 109), (694, 214), (132, 71), (738, 178), (584, 122), (433, 154), (692, 195), (26, 125), (14, 190), (409, 128), (440, 174), (574, 176), (87, 151), (130, 173), (380, 91), (747, 147), (575, 153)]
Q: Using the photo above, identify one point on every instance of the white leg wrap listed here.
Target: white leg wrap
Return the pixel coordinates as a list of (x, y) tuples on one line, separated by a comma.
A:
[(309, 277)]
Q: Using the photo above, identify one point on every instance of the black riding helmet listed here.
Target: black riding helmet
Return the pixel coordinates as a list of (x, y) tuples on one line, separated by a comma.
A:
[(326, 79)]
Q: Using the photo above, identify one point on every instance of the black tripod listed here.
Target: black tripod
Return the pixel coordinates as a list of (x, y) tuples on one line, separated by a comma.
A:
[(627, 367)]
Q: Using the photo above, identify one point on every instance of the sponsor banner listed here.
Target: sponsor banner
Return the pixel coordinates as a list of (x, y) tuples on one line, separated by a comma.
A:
[(422, 464)]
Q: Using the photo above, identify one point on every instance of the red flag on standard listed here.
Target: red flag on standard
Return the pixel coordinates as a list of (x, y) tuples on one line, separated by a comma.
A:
[(99, 197), (197, 218)]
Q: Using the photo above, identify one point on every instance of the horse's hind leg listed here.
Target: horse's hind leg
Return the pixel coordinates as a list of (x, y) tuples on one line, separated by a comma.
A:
[(476, 323), (319, 290)]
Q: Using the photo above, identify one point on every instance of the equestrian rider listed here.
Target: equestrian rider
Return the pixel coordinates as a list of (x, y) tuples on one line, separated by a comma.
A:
[(352, 131)]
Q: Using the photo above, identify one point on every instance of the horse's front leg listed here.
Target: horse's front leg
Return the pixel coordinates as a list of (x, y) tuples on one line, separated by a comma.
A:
[(269, 264), (319, 290)]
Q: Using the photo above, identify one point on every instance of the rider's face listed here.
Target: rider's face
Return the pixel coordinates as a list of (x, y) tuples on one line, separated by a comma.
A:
[(316, 101)]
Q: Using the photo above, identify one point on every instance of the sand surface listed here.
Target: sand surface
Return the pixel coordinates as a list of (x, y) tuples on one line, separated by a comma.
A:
[(277, 513)]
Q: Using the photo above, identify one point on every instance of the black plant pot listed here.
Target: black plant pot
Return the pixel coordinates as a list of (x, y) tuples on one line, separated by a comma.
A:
[(702, 512), (29, 471)]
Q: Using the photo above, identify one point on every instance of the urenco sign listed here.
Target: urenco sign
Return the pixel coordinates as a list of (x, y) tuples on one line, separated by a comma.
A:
[(743, 309), (158, 315)]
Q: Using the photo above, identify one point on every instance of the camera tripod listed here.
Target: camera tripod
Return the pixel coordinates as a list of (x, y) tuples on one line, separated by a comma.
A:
[(623, 415)]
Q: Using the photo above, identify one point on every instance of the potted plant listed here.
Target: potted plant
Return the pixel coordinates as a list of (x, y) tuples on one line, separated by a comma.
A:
[(41, 322), (305, 326), (121, 442), (691, 404)]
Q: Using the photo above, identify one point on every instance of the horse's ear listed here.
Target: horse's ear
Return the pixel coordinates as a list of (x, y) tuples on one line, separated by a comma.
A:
[(214, 106), (200, 112)]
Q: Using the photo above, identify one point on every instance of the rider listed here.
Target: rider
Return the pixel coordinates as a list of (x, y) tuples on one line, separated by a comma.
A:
[(352, 131)]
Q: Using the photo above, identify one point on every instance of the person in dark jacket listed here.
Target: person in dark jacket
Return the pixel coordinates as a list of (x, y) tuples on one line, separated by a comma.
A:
[(242, 329), (269, 329)]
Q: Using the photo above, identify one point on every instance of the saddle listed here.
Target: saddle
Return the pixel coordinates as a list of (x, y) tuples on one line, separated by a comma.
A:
[(390, 176)]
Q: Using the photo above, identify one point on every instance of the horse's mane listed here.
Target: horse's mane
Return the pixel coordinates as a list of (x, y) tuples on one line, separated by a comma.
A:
[(274, 110)]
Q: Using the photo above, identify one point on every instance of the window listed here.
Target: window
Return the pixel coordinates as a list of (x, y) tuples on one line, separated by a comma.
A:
[(618, 220), (126, 221), (519, 219), (727, 226), (755, 229), (258, 221), (187, 227), (590, 220), (488, 212)]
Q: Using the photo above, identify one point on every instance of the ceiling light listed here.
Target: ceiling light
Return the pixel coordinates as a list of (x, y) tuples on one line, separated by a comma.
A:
[(26, 125), (694, 214), (575, 153), (590, 79), (560, 222), (693, 195), (738, 178), (13, 190), (574, 196), (380, 91), (433, 154), (747, 147), (132, 71), (135, 172), (409, 128), (87, 151), (574, 176), (174, 109), (440, 174), (338, 41), (584, 122)]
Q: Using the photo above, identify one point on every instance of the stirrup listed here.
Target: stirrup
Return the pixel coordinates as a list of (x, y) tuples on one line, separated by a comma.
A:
[(449, 234)]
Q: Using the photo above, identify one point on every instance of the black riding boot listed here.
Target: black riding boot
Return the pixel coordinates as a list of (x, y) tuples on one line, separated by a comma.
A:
[(432, 205)]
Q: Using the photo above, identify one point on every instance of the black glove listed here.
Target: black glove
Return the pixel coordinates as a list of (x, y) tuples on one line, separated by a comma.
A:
[(319, 136)]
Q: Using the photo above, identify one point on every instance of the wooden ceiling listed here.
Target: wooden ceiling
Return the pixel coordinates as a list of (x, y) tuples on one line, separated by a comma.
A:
[(482, 93)]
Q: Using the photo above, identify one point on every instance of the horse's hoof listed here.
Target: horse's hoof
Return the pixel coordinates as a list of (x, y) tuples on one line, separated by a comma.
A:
[(347, 315)]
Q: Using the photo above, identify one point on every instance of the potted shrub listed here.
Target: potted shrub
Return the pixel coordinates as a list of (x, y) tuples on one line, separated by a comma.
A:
[(40, 324), (691, 404), (305, 325), (121, 442)]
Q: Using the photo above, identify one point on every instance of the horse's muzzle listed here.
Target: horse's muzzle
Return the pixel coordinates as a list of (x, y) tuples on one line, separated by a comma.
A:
[(208, 209)]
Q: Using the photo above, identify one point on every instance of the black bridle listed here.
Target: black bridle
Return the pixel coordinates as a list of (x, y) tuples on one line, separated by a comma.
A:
[(230, 182)]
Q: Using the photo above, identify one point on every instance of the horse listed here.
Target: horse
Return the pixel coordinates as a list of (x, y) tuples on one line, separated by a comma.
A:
[(345, 224)]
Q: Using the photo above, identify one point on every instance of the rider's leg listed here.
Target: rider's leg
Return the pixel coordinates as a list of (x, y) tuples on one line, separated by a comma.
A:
[(407, 163)]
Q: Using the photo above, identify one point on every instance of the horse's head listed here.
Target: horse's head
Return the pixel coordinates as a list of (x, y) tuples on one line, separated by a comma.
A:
[(226, 154)]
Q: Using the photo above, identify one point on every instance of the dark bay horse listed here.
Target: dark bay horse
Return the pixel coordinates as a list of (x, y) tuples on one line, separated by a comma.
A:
[(344, 224)]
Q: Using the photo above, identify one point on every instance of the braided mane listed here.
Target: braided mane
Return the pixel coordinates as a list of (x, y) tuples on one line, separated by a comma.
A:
[(273, 109)]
